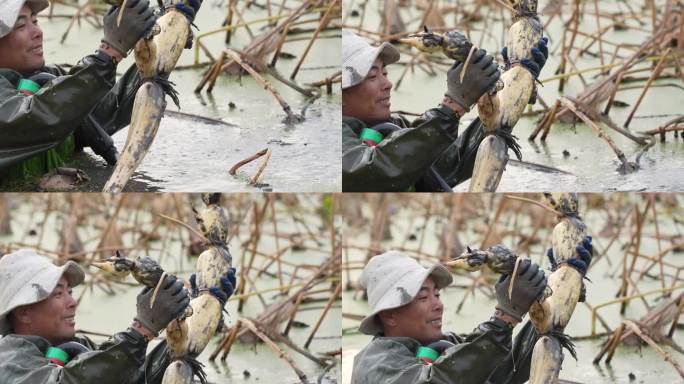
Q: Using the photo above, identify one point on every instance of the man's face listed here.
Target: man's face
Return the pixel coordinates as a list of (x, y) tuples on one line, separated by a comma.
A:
[(421, 319), (52, 318), (22, 49), (369, 101)]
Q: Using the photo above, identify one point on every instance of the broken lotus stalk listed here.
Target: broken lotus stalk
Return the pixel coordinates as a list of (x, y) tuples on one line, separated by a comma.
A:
[(155, 57), (187, 339), (500, 112)]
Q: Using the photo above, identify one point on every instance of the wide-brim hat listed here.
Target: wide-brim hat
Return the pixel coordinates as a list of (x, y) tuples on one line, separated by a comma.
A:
[(358, 57), (9, 12), (28, 278), (392, 280)]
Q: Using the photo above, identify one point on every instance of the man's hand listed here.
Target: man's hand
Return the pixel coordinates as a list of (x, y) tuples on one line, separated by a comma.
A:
[(528, 286), (228, 283), (585, 252), (171, 301), (222, 293), (137, 22), (481, 75), (188, 7), (539, 55)]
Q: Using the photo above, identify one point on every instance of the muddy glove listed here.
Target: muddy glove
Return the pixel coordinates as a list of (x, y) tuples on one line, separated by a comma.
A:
[(539, 55), (585, 252), (137, 22), (527, 287), (171, 301), (222, 293), (481, 76), (189, 8)]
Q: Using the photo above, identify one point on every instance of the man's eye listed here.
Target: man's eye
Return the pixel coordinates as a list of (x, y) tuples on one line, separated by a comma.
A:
[(422, 298)]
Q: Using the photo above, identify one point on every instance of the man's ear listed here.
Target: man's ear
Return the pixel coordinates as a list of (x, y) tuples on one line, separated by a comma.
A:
[(388, 317), (21, 315)]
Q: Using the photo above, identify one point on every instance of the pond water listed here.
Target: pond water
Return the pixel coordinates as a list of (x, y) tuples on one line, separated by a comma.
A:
[(191, 155), (246, 363), (591, 163), (645, 363)]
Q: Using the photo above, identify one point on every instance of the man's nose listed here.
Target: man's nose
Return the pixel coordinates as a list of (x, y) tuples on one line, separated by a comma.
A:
[(71, 303), (37, 32), (437, 304), (388, 84)]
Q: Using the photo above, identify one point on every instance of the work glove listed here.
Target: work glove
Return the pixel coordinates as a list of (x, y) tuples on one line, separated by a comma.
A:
[(222, 293), (170, 303), (188, 7), (585, 252), (481, 76), (539, 55), (136, 23), (528, 286)]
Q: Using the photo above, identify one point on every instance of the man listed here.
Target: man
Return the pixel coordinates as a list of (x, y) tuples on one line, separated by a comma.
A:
[(383, 153), (47, 112), (406, 323), (37, 319)]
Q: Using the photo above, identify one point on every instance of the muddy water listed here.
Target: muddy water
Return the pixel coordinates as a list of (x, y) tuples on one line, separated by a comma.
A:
[(190, 155), (591, 163), (646, 364), (246, 363)]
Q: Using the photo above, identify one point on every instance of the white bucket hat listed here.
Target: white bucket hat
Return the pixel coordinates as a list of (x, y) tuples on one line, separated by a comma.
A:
[(28, 278), (358, 57), (392, 280), (9, 12)]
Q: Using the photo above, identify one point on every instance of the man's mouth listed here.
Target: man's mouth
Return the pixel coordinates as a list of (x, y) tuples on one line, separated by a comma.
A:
[(70, 319), (385, 101), (435, 322), (37, 50)]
